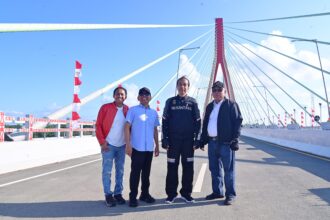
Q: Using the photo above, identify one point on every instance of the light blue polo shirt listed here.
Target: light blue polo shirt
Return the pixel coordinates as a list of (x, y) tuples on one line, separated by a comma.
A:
[(143, 121)]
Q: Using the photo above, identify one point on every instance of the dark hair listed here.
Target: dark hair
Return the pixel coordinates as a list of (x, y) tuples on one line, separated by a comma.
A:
[(119, 87), (182, 78)]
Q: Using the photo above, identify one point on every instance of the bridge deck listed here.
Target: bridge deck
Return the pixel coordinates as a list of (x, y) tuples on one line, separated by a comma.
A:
[(271, 183)]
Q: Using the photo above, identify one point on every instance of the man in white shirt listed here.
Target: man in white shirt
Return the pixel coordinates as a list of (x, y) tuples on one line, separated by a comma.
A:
[(110, 135), (221, 130)]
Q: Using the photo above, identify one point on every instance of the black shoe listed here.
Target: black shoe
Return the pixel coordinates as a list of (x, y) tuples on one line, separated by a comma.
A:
[(229, 201), (188, 198), (119, 199), (110, 201), (214, 196), (147, 198), (133, 203), (171, 199)]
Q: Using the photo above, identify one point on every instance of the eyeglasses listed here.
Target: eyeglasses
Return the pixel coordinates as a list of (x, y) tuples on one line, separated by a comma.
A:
[(217, 90)]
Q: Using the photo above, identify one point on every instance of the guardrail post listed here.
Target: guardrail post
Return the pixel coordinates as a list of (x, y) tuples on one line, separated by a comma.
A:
[(94, 127), (29, 126), (2, 127), (69, 125)]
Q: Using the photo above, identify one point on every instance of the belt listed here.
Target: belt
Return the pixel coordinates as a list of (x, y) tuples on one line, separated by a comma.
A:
[(213, 138)]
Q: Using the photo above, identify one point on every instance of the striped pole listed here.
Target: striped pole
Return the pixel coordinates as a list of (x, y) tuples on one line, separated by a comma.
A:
[(302, 119), (279, 120), (285, 119), (2, 127), (76, 100)]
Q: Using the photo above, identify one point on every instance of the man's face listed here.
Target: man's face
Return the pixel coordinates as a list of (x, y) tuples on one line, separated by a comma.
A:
[(183, 87), (119, 96), (144, 99), (218, 94)]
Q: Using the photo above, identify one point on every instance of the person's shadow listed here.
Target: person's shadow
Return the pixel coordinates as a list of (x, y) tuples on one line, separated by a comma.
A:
[(89, 208)]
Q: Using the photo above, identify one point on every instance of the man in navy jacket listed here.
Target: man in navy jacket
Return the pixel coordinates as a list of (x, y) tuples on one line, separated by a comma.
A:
[(221, 130)]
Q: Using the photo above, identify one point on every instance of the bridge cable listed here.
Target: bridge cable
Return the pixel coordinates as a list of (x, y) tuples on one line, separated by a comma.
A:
[(236, 57), (247, 66), (242, 80), (275, 51), (282, 36), (282, 18), (281, 71), (272, 79), (174, 75)]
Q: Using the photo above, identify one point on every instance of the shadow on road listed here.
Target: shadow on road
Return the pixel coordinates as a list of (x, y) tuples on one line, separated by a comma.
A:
[(87, 208)]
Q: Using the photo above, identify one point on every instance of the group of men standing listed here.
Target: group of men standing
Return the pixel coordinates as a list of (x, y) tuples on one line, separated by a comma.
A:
[(134, 131)]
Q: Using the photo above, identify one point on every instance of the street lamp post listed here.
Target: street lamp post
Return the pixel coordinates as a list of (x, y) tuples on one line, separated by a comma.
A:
[(177, 72), (321, 68), (266, 101)]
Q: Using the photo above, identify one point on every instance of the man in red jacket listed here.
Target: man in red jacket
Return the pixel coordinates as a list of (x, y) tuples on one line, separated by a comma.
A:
[(110, 135)]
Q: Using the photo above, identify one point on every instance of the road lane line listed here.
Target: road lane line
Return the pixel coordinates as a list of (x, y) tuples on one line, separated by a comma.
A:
[(48, 173), (200, 178)]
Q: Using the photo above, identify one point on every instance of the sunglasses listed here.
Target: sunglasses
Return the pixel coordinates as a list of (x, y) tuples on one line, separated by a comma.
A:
[(217, 90)]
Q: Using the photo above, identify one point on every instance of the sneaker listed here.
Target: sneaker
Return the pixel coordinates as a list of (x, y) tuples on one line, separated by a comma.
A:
[(171, 199), (119, 199), (188, 198), (229, 201), (147, 198), (214, 196), (110, 201), (133, 203)]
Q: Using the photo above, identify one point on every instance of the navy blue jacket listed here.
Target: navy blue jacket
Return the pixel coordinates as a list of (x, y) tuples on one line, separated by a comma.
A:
[(229, 125), (181, 118)]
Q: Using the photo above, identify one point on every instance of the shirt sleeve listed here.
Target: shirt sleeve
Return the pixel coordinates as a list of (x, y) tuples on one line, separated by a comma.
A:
[(197, 118), (156, 119), (130, 116)]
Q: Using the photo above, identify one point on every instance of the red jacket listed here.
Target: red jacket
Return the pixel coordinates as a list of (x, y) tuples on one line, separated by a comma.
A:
[(105, 119)]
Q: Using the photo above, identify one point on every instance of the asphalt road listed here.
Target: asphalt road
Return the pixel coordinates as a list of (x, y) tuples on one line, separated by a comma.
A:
[(272, 183)]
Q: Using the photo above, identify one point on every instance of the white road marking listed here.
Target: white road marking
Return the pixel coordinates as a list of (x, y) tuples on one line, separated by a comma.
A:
[(48, 173), (200, 178)]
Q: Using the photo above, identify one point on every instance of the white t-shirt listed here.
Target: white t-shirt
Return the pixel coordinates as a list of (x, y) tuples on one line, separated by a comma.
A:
[(116, 134), (212, 127)]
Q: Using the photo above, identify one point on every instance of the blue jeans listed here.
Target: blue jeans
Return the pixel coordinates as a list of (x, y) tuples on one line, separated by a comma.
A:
[(222, 160), (116, 154)]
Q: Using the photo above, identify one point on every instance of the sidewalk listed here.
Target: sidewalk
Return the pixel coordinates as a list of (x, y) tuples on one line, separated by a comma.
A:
[(316, 142)]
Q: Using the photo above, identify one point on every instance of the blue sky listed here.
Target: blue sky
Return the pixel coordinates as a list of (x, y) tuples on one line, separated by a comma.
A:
[(37, 68)]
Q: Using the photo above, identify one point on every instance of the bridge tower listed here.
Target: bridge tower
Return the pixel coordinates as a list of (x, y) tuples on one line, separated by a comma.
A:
[(219, 63)]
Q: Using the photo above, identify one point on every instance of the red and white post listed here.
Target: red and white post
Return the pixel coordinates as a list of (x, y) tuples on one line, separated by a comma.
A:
[(2, 127), (302, 119), (76, 101)]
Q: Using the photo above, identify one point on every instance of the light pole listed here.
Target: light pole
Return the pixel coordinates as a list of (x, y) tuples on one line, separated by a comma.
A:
[(318, 53), (320, 104), (266, 101), (177, 72)]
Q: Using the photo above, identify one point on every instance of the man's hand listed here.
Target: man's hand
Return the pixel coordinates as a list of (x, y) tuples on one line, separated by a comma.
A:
[(198, 144), (104, 147), (165, 143), (156, 151), (129, 149), (234, 145)]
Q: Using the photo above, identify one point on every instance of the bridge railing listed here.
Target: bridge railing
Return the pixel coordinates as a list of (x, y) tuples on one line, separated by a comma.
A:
[(21, 128)]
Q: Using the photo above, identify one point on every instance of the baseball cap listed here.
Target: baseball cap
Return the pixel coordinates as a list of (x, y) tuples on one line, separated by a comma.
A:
[(144, 91)]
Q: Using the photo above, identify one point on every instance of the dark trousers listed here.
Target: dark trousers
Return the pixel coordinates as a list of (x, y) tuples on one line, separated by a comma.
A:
[(141, 163), (180, 148)]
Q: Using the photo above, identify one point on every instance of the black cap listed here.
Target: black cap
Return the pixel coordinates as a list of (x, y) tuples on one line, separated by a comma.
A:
[(218, 84), (144, 91)]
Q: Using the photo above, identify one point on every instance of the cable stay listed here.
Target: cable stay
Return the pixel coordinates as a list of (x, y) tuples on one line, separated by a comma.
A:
[(272, 79), (282, 18), (287, 56), (247, 66), (277, 35), (281, 71)]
